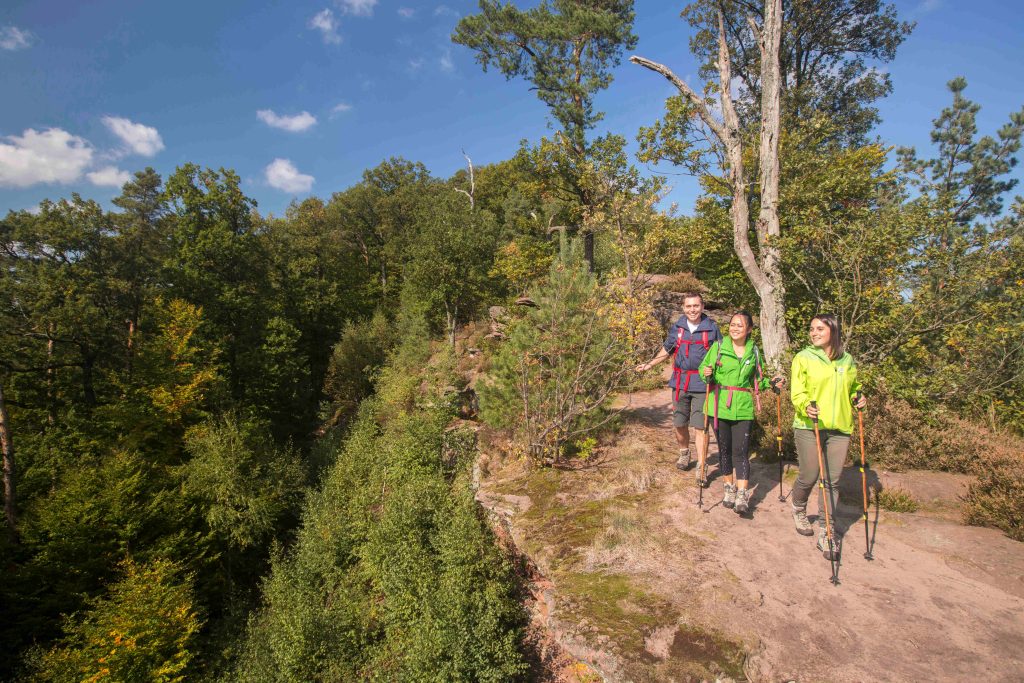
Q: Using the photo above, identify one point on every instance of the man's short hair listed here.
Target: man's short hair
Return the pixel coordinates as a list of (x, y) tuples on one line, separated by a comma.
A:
[(692, 295)]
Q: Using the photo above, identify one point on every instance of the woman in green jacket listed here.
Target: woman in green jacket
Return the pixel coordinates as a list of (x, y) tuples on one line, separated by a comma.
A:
[(732, 370), (823, 373)]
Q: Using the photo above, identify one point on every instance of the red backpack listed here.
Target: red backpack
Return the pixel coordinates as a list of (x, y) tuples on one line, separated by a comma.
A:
[(684, 385)]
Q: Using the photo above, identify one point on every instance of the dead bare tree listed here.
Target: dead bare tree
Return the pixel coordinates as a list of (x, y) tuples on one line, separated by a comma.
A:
[(764, 268), (472, 183)]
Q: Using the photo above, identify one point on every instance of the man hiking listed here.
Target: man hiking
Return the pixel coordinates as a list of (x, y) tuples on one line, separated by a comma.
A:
[(687, 342)]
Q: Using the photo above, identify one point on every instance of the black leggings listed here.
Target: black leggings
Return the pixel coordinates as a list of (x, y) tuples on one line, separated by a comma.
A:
[(734, 446)]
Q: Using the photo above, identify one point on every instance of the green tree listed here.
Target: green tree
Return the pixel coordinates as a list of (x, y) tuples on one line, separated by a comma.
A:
[(964, 267), (393, 575), (845, 237), (60, 301), (319, 283), (377, 218), (566, 49), (247, 490), (451, 258), (140, 244), (355, 360), (827, 57), (822, 72), (216, 262), (145, 628), (554, 377), (58, 335), (720, 157)]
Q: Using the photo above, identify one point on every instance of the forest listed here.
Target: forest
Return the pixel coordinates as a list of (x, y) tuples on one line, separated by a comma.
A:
[(228, 441)]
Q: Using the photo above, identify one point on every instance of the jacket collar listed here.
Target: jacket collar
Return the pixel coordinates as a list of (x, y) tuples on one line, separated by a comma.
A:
[(748, 350), (820, 354), (706, 324)]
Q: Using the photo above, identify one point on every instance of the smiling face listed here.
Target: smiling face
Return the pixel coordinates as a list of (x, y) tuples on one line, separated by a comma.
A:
[(693, 307), (821, 334), (739, 329)]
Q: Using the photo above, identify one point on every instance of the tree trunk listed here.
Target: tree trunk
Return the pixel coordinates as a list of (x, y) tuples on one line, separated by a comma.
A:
[(588, 249), (774, 334), (7, 446), (51, 372), (450, 321), (765, 276), (131, 344)]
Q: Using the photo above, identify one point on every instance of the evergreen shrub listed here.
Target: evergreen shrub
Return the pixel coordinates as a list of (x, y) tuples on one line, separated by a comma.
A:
[(393, 575), (554, 377), (143, 629)]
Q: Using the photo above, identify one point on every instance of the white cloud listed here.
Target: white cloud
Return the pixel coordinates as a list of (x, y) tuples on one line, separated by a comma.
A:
[(340, 108), (446, 62), (406, 12), (325, 22), (292, 124), (50, 156), (13, 38), (445, 11), (415, 64), (928, 6), (358, 8), (109, 176), (138, 138), (282, 174)]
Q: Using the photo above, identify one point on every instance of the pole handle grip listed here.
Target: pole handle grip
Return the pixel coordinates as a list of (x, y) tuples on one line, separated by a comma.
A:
[(814, 404)]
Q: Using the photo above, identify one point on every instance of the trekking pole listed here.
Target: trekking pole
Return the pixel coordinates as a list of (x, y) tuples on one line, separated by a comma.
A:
[(863, 480), (778, 439), (701, 465), (823, 473)]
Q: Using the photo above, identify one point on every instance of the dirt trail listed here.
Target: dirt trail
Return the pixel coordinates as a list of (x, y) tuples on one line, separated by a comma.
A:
[(940, 602)]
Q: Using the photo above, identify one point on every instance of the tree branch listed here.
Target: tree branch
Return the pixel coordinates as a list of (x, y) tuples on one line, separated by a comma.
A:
[(696, 100)]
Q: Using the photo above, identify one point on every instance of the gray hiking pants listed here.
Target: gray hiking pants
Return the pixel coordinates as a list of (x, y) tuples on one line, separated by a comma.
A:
[(834, 446)]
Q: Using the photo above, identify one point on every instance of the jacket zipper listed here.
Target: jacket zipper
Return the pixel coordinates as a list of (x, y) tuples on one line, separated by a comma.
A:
[(835, 388), (835, 395)]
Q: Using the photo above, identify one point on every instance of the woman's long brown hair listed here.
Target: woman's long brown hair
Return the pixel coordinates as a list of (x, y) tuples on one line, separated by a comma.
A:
[(835, 331)]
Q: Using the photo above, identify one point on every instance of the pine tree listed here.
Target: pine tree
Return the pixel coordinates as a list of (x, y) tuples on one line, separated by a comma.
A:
[(554, 377)]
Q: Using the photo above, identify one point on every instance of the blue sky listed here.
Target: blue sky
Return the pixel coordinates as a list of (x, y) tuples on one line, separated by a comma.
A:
[(300, 97)]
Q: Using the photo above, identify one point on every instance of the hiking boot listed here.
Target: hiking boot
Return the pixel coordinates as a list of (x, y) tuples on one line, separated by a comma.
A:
[(701, 476), (729, 499), (823, 545), (742, 501), (803, 525), (683, 462)]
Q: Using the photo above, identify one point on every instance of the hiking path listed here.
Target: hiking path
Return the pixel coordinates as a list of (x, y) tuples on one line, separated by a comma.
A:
[(637, 583)]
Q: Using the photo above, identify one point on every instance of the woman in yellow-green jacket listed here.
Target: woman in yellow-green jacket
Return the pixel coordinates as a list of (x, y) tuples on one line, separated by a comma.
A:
[(732, 370), (823, 373)]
